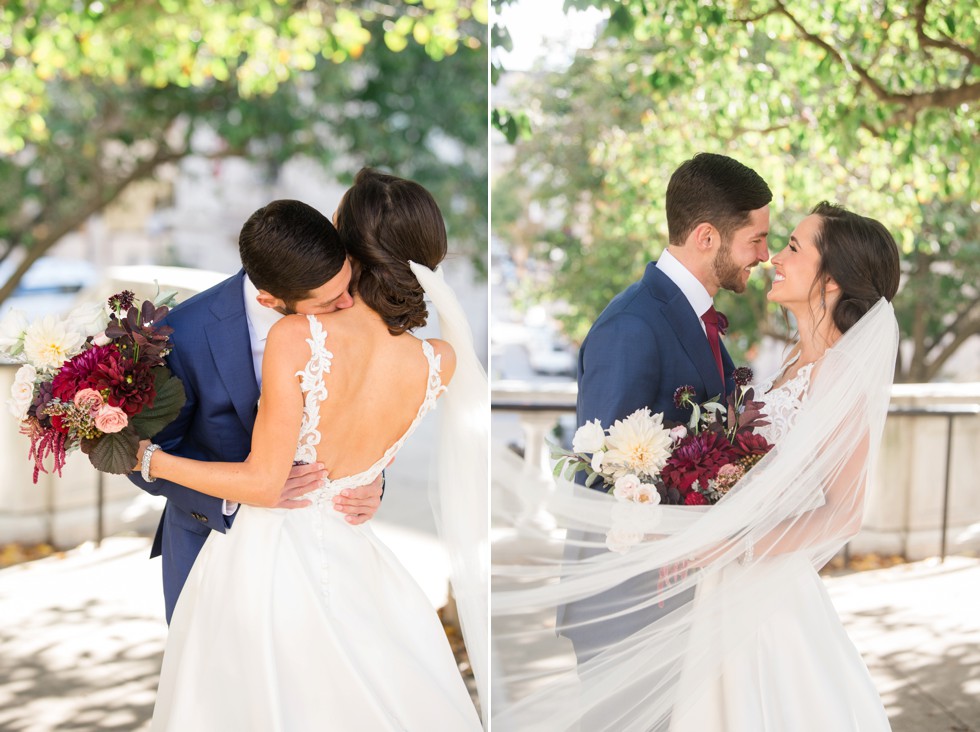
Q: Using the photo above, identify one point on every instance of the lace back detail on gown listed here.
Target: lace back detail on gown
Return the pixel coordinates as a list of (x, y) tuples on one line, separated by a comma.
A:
[(315, 392)]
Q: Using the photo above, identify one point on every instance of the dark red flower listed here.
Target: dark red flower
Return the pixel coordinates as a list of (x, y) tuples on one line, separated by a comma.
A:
[(122, 301), (130, 385), (683, 395), (58, 423), (695, 499), (750, 443), (743, 376), (697, 458), (77, 373)]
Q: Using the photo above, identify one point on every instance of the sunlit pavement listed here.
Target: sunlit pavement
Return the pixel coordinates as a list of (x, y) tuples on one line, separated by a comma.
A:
[(918, 628), (82, 635)]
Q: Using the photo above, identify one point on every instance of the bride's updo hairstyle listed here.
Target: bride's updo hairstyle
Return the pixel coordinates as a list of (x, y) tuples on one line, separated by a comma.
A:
[(385, 222), (861, 256)]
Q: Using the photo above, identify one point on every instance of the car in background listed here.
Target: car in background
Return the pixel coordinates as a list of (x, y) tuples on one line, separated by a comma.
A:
[(50, 287)]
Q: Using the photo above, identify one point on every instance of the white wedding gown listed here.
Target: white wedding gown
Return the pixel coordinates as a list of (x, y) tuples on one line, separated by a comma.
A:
[(796, 670), (296, 621)]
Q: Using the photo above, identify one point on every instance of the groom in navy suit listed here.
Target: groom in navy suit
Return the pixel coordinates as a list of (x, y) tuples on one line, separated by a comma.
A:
[(293, 262), (663, 332)]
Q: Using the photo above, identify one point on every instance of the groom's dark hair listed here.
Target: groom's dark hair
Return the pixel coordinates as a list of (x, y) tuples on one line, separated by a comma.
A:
[(289, 248), (713, 189)]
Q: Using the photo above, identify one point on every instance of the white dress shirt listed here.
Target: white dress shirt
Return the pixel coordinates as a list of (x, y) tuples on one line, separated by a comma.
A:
[(260, 321), (692, 288)]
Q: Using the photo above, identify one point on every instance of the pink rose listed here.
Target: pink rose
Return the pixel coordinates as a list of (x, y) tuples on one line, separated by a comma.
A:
[(89, 399), (110, 419), (678, 433)]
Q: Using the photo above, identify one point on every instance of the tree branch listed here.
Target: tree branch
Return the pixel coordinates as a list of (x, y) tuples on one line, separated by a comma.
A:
[(911, 103), (969, 329), (946, 42), (954, 327)]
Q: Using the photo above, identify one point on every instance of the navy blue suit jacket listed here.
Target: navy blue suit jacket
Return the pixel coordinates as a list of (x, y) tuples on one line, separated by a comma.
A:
[(645, 344), (212, 356)]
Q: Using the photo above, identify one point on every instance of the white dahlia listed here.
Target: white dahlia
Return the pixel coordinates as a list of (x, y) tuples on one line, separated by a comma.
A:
[(638, 444), (50, 342)]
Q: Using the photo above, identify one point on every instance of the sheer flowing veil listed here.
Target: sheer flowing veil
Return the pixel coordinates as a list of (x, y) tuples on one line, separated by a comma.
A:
[(657, 622), (461, 492)]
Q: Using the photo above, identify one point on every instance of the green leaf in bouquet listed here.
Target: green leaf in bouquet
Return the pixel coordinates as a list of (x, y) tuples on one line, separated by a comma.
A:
[(169, 400), (591, 479), (113, 453), (557, 469)]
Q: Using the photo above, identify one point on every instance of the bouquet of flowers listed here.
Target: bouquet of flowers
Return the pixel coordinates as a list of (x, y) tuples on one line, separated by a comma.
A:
[(642, 459), (95, 380)]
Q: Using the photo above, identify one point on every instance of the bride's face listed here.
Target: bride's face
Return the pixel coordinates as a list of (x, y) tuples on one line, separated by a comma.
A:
[(795, 282)]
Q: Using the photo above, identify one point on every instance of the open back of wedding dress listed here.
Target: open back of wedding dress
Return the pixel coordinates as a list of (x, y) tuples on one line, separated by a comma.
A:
[(297, 621), (717, 621)]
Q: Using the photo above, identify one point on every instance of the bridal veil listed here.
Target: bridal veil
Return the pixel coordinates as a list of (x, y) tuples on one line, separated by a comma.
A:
[(649, 636), (460, 493)]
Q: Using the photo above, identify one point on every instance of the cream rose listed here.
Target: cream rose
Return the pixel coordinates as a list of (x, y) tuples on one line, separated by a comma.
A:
[(621, 540), (89, 319), (22, 391), (625, 488), (110, 419), (589, 437)]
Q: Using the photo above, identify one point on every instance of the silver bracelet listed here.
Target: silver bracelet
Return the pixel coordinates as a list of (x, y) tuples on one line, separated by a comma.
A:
[(145, 465)]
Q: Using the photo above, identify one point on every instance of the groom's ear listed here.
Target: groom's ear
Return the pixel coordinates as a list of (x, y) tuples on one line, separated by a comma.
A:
[(705, 237), (268, 300)]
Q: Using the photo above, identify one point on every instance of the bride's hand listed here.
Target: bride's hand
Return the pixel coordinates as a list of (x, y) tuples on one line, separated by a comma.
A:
[(139, 454)]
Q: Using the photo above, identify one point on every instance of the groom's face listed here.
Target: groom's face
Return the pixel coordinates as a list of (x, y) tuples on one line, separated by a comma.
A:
[(747, 247), (332, 295)]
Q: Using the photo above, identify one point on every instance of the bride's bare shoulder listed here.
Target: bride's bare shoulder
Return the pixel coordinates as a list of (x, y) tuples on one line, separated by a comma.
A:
[(447, 358)]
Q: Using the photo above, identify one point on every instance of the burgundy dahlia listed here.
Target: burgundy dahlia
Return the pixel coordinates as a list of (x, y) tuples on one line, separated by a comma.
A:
[(130, 385), (697, 458), (78, 373), (750, 443)]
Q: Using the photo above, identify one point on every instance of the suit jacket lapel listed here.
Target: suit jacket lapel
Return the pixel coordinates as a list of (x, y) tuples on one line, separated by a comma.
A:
[(231, 350), (684, 321)]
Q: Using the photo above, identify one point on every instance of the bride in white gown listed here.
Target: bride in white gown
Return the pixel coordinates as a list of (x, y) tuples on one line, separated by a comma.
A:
[(750, 641), (298, 620)]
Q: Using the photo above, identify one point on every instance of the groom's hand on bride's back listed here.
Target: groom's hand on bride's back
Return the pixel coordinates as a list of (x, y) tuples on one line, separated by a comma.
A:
[(361, 503), (302, 479)]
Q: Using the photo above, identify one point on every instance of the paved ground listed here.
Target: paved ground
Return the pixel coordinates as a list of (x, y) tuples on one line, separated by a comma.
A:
[(82, 635), (916, 626)]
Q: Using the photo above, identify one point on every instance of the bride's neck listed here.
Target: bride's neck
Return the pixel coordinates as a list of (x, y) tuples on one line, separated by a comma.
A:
[(817, 332)]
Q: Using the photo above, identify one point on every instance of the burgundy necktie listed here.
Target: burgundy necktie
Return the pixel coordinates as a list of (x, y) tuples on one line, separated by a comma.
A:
[(714, 324)]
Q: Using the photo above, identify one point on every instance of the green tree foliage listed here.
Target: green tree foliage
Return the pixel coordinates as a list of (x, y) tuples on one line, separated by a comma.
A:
[(868, 104), (97, 95)]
